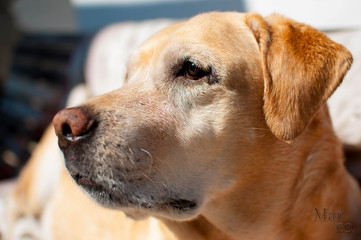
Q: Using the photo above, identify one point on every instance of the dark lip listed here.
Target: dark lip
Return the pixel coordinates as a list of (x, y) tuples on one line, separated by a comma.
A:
[(182, 205), (95, 189), (82, 180)]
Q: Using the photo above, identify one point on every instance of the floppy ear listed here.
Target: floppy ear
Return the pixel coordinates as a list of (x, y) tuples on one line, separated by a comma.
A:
[(302, 67)]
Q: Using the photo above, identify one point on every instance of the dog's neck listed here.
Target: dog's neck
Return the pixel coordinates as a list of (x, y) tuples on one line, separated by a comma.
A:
[(281, 194)]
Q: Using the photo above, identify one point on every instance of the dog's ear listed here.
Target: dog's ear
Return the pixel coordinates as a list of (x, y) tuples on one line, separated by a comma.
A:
[(302, 67)]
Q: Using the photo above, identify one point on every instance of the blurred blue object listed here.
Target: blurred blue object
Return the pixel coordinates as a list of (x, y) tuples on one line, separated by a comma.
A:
[(91, 18), (44, 69)]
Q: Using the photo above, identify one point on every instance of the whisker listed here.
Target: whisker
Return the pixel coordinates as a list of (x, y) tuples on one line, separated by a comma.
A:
[(131, 157), (150, 155)]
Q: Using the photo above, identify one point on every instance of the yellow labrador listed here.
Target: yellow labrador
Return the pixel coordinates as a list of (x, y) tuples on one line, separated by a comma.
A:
[(221, 132)]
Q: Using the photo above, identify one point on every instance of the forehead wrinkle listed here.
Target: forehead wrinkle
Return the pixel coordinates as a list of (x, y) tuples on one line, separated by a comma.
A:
[(142, 64)]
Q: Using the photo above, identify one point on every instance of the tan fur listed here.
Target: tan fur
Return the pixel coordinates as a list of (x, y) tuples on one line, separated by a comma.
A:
[(254, 147), (29, 198), (302, 67)]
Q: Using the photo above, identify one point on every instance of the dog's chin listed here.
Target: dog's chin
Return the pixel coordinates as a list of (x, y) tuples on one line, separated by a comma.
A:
[(138, 207)]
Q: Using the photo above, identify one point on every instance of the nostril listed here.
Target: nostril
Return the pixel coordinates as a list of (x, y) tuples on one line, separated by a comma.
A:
[(66, 130)]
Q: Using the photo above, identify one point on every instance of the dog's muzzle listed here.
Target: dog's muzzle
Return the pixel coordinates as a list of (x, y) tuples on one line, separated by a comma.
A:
[(115, 170)]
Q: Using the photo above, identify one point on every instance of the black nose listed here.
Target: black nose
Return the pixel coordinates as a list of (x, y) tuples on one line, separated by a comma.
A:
[(73, 124)]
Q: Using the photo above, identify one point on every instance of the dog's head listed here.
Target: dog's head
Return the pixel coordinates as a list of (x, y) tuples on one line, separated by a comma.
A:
[(203, 99)]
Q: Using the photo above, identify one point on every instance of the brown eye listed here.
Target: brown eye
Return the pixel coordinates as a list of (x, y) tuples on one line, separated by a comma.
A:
[(193, 72)]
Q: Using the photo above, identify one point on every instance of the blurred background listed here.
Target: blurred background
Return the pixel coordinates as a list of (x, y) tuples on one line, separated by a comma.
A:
[(44, 44)]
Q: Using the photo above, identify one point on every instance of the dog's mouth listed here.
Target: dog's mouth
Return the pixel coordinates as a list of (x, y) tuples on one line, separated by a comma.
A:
[(118, 198)]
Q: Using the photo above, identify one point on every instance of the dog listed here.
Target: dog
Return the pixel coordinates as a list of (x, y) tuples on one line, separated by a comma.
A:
[(221, 132)]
